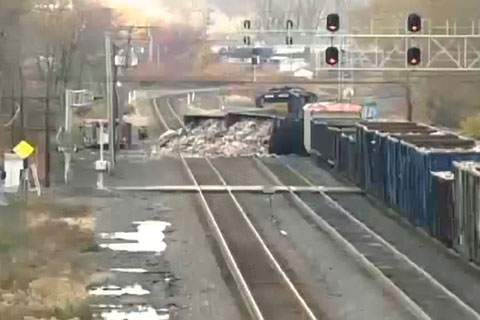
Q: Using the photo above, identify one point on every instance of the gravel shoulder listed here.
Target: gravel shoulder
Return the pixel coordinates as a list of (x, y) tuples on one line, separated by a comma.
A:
[(433, 257), (185, 281)]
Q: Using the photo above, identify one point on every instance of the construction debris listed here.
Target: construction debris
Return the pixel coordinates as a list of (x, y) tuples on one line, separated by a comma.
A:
[(212, 138)]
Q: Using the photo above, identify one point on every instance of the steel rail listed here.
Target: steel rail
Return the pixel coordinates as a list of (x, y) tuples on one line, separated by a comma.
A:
[(267, 251), (159, 115), (369, 266), (242, 286), (399, 254), (245, 292), (175, 114), (247, 188)]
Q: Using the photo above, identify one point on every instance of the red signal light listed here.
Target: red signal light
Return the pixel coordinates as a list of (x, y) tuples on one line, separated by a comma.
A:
[(333, 22), (331, 56), (414, 56), (414, 23)]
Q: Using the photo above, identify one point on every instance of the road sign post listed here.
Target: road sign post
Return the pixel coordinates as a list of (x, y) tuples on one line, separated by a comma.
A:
[(19, 168)]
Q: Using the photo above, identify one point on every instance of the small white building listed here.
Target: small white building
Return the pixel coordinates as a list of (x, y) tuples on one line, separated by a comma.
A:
[(303, 73)]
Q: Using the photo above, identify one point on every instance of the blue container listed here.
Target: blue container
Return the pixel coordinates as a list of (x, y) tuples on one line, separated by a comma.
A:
[(341, 152), (345, 154), (287, 137), (467, 210), (371, 143), (396, 161), (325, 137), (442, 204)]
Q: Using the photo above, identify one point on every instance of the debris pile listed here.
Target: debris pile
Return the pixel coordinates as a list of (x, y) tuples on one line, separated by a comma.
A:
[(212, 138)]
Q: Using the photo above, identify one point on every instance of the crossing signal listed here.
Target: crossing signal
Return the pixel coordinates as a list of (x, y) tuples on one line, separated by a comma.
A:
[(331, 56), (333, 22), (289, 41), (414, 56), (414, 23)]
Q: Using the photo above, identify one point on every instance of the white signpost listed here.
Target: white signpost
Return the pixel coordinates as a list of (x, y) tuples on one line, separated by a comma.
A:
[(74, 99)]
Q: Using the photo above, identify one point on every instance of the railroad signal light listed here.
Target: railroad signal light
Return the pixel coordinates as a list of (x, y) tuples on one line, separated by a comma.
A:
[(247, 24), (333, 22), (414, 23), (414, 56), (331, 56), (289, 24), (289, 41)]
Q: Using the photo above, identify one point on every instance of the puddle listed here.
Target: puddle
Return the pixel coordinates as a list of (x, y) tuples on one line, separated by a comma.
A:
[(140, 313), (135, 290), (106, 306), (129, 270), (148, 238)]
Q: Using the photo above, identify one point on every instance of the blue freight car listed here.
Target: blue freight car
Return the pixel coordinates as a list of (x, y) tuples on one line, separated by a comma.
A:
[(467, 210), (396, 161)]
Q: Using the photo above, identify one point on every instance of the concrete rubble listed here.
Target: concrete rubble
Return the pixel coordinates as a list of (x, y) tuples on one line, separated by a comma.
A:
[(212, 138)]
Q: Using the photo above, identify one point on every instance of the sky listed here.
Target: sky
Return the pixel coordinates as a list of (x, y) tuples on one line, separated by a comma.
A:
[(226, 15), (165, 12)]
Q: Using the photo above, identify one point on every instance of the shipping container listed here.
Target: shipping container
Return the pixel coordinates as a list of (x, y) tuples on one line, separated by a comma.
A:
[(467, 210)]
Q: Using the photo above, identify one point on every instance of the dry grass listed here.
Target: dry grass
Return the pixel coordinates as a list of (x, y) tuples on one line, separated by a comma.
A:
[(43, 272), (471, 127)]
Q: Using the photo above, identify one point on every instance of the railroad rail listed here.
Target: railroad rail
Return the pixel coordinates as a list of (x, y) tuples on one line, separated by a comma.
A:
[(255, 269), (169, 119), (253, 189), (266, 290), (274, 293), (426, 297)]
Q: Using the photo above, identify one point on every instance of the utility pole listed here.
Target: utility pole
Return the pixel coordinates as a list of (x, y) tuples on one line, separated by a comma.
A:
[(47, 119), (408, 97), (110, 105), (13, 111), (22, 112)]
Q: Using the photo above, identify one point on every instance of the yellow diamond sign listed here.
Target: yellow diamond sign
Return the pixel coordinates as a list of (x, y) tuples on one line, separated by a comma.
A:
[(23, 150)]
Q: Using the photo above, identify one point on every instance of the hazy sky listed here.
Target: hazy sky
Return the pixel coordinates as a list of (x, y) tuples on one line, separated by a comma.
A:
[(167, 11)]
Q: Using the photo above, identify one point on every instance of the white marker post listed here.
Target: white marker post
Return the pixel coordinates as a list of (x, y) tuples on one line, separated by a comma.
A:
[(101, 165)]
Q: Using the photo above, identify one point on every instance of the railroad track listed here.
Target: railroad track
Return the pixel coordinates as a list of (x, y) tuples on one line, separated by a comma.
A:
[(271, 291), (266, 289), (264, 285), (166, 114), (424, 295)]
